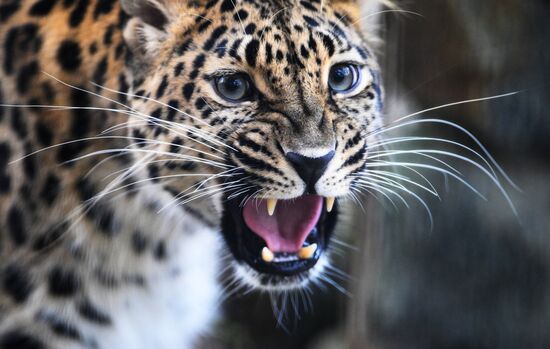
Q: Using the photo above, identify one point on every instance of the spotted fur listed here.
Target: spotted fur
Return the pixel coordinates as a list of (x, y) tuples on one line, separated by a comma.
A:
[(130, 269)]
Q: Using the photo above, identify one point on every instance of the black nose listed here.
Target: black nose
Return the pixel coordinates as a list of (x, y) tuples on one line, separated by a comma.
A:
[(310, 169)]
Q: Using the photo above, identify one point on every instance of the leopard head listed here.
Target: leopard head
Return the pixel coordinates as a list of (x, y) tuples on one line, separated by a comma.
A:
[(271, 102)]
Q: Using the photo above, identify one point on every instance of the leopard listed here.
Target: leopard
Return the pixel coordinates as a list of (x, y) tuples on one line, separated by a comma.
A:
[(150, 148)]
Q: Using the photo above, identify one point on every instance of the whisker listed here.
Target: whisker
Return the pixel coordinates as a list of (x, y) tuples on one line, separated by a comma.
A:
[(469, 134), (474, 100)]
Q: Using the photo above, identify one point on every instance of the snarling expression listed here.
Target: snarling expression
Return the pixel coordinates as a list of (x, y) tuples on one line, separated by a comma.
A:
[(275, 101)]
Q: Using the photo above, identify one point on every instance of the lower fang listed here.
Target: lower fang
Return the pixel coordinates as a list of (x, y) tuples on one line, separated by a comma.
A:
[(307, 252), (267, 255)]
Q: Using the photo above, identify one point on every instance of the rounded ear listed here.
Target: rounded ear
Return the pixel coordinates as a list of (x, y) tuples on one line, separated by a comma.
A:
[(150, 12), (349, 10), (361, 13), (149, 26)]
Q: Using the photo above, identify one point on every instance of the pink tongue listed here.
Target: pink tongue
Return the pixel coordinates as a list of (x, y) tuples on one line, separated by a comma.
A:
[(289, 226)]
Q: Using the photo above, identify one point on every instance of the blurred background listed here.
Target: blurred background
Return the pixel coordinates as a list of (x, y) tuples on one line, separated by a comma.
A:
[(481, 277)]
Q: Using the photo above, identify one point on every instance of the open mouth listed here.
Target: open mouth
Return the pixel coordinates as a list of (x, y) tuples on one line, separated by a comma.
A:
[(279, 237)]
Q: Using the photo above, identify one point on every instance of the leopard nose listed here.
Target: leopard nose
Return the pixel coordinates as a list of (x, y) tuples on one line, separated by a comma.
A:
[(310, 169)]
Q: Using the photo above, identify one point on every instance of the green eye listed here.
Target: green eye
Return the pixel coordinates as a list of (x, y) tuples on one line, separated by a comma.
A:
[(343, 77), (234, 88)]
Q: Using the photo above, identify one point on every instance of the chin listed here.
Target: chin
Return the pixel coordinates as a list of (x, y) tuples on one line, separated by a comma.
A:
[(278, 245)]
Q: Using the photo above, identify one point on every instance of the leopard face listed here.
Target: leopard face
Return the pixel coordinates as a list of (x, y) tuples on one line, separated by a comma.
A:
[(271, 102)]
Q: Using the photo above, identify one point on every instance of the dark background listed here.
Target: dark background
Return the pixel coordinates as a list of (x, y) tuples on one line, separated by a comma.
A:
[(481, 277)]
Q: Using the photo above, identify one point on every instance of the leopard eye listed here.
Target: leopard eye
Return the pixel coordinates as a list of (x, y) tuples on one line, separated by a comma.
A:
[(343, 77), (234, 88)]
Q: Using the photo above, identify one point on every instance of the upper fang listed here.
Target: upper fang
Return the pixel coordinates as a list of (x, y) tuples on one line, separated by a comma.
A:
[(271, 203), (329, 203)]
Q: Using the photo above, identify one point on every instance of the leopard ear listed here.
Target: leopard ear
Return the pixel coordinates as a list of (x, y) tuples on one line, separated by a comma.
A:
[(151, 12), (362, 13), (350, 10), (149, 24)]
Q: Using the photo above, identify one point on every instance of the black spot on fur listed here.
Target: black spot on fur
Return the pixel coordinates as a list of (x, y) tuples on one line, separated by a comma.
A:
[(139, 242), (5, 180), (62, 282), (175, 145), (184, 47), (68, 55), (18, 40), (119, 50), (8, 8), (248, 143), (160, 251), (49, 238), (103, 7), (162, 87), (68, 3), (188, 89), (355, 158), (197, 64), (304, 52), (64, 329), (173, 105), (108, 37), (221, 48), (42, 7), (29, 162), (139, 137), (99, 74), (43, 133), (364, 54), (91, 313), (16, 339), (235, 48), (16, 226), (70, 151), (257, 164), (329, 45), (336, 30), (178, 69), (268, 53), (204, 26), (48, 91), (200, 103), (18, 124), (310, 21), (78, 13), (227, 5), (241, 15), (50, 190), (16, 283), (210, 4), (251, 52), (104, 218), (93, 48), (81, 118), (219, 31), (250, 29), (123, 87), (25, 75), (153, 172)]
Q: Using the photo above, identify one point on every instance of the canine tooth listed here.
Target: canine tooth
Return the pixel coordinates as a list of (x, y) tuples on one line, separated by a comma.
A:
[(329, 203), (271, 203), (307, 252), (267, 255)]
